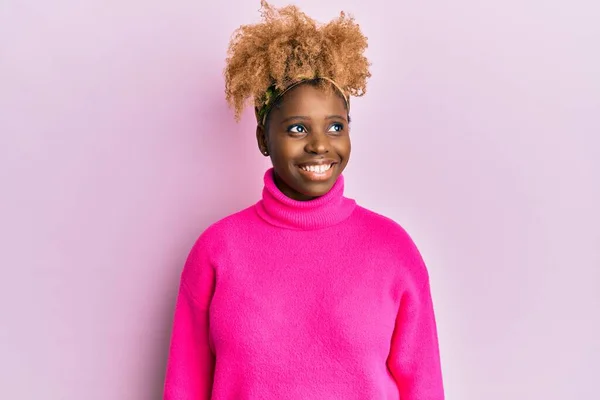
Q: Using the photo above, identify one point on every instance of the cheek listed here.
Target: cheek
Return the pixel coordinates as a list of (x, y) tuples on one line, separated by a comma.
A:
[(292, 146), (343, 146), (286, 150)]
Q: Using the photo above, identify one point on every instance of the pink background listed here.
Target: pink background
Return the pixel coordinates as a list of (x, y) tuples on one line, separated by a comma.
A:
[(480, 133)]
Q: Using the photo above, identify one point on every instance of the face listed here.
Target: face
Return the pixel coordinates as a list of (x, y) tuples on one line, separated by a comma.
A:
[(308, 140)]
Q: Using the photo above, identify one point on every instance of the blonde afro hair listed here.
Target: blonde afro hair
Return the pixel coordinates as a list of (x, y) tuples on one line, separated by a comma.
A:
[(289, 45)]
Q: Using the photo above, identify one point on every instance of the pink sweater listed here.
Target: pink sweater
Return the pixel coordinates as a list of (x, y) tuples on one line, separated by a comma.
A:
[(304, 300)]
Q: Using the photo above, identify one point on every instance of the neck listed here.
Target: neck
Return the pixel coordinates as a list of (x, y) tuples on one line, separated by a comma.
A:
[(288, 191), (320, 212)]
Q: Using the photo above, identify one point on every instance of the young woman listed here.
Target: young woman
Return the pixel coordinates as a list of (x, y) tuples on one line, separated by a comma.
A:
[(304, 295)]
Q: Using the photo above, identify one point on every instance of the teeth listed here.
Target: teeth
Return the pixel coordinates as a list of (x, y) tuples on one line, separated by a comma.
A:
[(319, 169)]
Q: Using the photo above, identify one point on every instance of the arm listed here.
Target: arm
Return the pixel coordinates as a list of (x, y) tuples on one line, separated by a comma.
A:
[(191, 362), (414, 359)]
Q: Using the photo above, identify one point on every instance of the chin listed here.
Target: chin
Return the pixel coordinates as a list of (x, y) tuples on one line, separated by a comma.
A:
[(305, 185), (314, 192), (315, 189)]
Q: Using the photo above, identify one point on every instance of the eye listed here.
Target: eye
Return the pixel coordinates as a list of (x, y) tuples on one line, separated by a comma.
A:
[(336, 127), (296, 129)]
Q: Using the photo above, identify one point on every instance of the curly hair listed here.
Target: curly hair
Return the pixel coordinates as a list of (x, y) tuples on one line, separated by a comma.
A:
[(287, 46)]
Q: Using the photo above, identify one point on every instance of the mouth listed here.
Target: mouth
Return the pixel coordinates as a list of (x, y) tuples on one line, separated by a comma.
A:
[(321, 171)]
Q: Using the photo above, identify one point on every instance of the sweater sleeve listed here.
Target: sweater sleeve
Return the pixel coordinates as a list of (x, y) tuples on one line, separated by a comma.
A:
[(190, 364), (414, 359)]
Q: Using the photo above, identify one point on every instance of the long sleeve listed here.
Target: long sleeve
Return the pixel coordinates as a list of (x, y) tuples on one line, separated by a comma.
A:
[(190, 365), (414, 359)]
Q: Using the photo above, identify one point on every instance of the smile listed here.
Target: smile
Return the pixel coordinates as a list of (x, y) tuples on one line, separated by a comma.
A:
[(317, 172), (319, 169)]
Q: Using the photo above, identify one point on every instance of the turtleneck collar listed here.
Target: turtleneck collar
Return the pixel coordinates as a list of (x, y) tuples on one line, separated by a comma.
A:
[(282, 211)]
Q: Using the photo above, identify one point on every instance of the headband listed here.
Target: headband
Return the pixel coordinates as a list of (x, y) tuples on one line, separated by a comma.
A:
[(272, 95)]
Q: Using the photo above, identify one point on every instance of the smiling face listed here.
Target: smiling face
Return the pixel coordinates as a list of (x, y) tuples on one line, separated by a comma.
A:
[(308, 140)]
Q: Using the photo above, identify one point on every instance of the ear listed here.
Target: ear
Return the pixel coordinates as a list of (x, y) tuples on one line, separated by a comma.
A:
[(261, 139)]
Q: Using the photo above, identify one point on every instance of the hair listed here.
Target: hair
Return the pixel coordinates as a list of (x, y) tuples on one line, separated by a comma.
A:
[(287, 46)]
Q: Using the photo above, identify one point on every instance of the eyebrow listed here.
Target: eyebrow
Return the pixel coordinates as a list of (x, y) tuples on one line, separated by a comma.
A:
[(305, 118)]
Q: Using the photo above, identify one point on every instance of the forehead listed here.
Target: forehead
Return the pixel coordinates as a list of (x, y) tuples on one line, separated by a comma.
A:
[(312, 101)]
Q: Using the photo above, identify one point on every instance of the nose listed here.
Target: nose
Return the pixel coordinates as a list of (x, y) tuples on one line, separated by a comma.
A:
[(318, 143)]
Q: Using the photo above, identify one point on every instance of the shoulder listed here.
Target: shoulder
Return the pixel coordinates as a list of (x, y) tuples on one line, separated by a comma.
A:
[(384, 227), (228, 228), (216, 237), (393, 238)]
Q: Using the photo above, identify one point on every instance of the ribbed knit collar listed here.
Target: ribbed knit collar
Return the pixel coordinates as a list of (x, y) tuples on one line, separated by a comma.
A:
[(282, 211)]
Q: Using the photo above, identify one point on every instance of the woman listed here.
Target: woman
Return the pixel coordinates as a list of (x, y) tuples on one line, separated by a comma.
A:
[(304, 295)]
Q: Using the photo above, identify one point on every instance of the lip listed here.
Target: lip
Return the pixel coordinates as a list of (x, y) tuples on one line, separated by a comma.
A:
[(321, 161), (315, 176)]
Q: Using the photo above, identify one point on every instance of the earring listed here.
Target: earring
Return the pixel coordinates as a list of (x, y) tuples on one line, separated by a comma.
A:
[(265, 152)]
